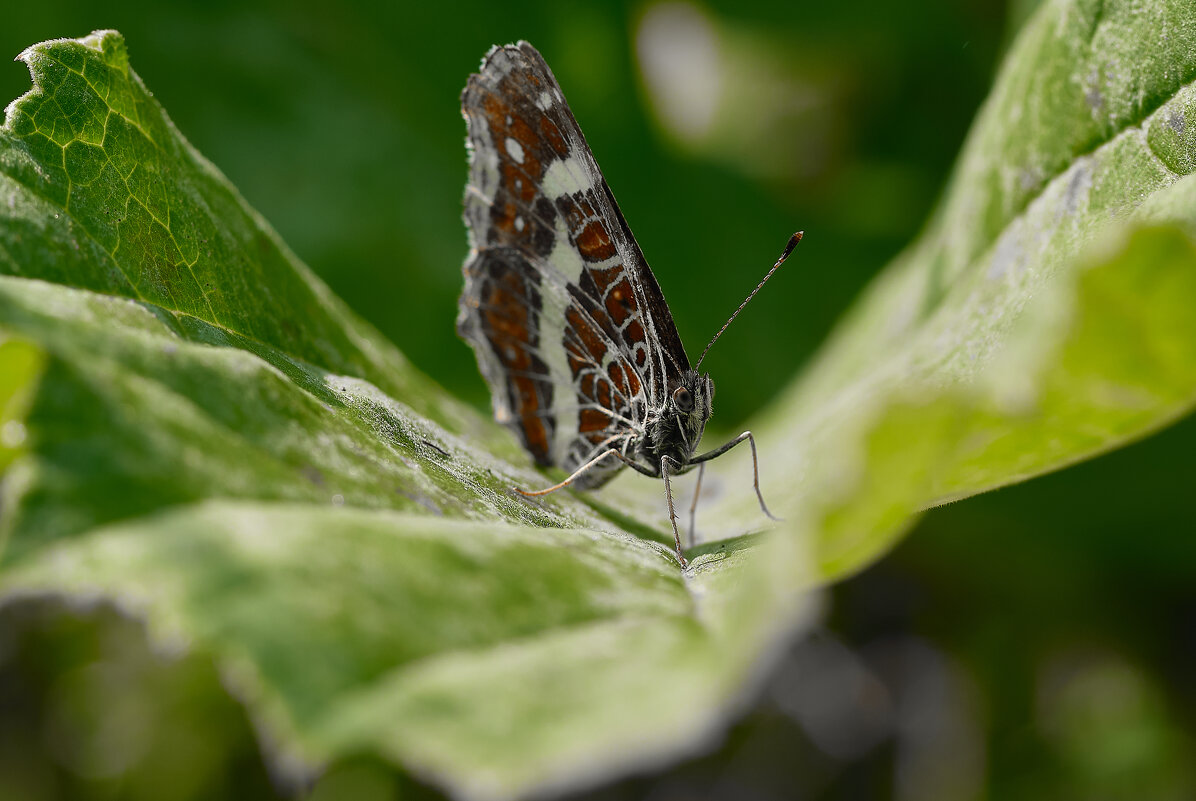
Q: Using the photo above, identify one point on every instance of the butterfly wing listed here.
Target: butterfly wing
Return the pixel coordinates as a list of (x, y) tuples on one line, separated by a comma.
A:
[(569, 325)]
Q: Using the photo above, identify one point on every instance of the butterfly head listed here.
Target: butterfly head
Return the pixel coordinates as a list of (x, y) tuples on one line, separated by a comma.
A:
[(678, 427), (691, 399)]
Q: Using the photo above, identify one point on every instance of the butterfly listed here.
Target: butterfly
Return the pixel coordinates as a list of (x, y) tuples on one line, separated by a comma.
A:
[(569, 326)]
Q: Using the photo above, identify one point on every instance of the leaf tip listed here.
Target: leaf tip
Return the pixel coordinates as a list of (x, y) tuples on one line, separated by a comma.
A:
[(71, 54)]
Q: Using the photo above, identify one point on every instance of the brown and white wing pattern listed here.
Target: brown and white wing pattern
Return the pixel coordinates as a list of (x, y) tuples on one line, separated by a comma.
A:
[(569, 325)]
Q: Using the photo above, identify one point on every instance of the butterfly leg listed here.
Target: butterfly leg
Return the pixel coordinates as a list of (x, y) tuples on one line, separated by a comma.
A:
[(693, 507), (755, 466), (578, 472), (668, 494)]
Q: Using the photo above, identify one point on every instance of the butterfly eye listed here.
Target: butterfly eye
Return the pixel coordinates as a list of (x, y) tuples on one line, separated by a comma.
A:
[(683, 399)]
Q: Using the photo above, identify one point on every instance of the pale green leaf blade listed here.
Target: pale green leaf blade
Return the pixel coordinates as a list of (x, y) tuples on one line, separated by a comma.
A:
[(980, 306), (492, 658)]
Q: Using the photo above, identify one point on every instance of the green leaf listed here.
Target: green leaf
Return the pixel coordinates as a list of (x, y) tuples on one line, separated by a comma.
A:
[(20, 366), (201, 433), (985, 310), (493, 657), (354, 557)]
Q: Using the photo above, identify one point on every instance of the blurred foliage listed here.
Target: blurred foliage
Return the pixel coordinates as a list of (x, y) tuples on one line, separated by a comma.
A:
[(88, 712), (1038, 603)]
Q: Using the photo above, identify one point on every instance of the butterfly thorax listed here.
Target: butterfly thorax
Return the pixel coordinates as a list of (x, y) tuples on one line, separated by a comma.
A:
[(675, 428)]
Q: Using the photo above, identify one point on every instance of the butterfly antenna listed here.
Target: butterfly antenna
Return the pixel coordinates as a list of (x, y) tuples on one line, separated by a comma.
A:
[(793, 240)]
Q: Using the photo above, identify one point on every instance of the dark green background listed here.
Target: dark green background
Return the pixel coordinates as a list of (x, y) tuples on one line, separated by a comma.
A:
[(341, 125)]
